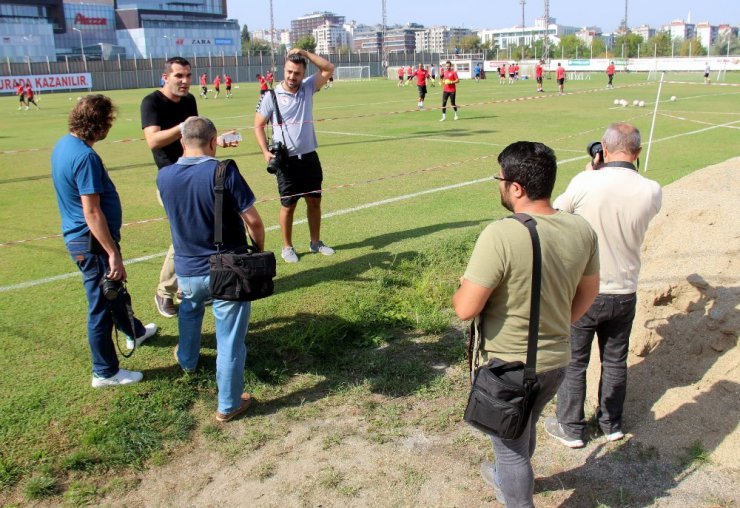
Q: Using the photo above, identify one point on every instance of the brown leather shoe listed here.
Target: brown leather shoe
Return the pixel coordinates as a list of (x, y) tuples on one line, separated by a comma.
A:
[(243, 406)]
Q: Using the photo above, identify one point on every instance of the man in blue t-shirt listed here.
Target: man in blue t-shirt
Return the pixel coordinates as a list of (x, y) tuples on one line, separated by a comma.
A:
[(301, 175), (91, 225), (186, 188)]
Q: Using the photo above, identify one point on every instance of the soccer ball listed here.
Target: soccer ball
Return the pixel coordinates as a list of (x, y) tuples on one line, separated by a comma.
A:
[(616, 102), (635, 102), (79, 98), (641, 104), (673, 98), (69, 98), (624, 104)]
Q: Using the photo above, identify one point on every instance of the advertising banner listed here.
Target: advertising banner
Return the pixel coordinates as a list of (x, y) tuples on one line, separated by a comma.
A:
[(47, 82)]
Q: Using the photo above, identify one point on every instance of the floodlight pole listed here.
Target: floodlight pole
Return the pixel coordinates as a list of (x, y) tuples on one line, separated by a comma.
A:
[(272, 38), (522, 2), (82, 48)]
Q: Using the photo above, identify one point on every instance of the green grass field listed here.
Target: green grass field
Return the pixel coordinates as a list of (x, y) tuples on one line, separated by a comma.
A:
[(406, 196)]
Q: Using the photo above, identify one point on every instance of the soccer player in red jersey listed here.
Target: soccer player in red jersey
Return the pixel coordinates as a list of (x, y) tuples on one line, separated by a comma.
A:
[(409, 75), (610, 74), (204, 86), (217, 86), (449, 80), (502, 74), (538, 75), (227, 81), (20, 92), (29, 97), (421, 83), (560, 75), (400, 76), (263, 84), (270, 77)]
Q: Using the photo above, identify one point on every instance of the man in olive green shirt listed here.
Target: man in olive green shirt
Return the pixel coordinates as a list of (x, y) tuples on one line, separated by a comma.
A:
[(496, 287)]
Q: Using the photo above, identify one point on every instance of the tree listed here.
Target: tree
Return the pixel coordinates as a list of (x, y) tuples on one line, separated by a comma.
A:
[(306, 42), (692, 47), (245, 34), (469, 43), (721, 47), (631, 42), (660, 44), (256, 46), (598, 48), (569, 47)]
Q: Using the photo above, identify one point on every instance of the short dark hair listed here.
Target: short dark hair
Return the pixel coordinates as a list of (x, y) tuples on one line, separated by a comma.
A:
[(92, 117), (532, 165), (297, 59), (175, 60)]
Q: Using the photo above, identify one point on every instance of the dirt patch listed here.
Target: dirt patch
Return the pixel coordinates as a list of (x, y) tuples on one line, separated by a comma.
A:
[(358, 448)]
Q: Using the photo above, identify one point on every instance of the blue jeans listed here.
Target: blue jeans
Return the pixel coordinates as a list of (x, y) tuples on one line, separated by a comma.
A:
[(99, 310), (232, 321), (513, 472), (610, 318)]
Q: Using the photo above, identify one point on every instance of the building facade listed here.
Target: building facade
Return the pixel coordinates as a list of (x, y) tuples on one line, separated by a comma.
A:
[(516, 36), (437, 39), (330, 38), (305, 25)]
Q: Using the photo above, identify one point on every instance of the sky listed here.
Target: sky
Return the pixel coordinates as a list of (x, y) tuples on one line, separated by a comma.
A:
[(477, 14)]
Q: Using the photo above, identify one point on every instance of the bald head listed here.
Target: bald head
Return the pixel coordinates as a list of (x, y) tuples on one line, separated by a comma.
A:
[(622, 137)]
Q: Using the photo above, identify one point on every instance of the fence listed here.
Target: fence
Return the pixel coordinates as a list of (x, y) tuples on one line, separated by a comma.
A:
[(121, 73)]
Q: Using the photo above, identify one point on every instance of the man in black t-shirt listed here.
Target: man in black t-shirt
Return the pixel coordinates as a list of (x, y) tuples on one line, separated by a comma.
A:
[(162, 112)]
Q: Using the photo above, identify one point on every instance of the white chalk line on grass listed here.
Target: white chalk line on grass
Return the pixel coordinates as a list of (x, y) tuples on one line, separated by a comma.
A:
[(435, 139), (698, 121), (336, 213)]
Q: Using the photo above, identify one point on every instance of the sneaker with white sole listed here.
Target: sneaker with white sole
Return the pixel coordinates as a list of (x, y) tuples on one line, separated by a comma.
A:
[(288, 254), (615, 436), (149, 330), (443, 118), (320, 248), (122, 377), (553, 427)]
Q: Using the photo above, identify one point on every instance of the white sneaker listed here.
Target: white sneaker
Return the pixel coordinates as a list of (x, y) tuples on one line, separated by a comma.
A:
[(320, 248), (615, 436), (443, 118), (150, 330), (455, 117), (122, 377), (289, 256)]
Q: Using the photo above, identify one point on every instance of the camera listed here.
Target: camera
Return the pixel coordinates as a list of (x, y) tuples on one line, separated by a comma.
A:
[(280, 151), (594, 149), (110, 288)]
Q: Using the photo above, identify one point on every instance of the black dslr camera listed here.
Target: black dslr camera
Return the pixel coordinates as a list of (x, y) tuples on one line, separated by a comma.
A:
[(593, 149), (280, 151), (110, 288)]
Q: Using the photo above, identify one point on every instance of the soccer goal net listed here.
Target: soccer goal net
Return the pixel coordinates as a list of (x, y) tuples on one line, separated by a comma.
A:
[(352, 73)]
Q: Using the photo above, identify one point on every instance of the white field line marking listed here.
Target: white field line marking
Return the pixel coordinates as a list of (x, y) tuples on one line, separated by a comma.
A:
[(428, 138), (698, 121), (37, 282)]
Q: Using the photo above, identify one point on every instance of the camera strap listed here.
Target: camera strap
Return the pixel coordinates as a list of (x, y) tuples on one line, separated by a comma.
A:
[(278, 116), (530, 366), (218, 209), (619, 164)]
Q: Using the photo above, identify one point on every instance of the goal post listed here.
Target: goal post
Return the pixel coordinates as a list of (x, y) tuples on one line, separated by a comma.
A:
[(352, 73)]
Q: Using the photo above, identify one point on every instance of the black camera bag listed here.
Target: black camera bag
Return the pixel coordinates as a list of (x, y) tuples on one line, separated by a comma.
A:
[(245, 273), (500, 400)]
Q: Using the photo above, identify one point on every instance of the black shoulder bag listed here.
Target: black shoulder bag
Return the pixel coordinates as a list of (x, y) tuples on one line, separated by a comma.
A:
[(500, 400), (244, 274)]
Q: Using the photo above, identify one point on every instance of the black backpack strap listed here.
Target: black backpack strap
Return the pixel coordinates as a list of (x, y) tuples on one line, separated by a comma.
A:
[(530, 367), (218, 210)]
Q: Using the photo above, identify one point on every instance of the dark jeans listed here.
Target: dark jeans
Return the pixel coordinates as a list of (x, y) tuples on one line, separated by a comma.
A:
[(513, 469), (610, 318), (99, 318)]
